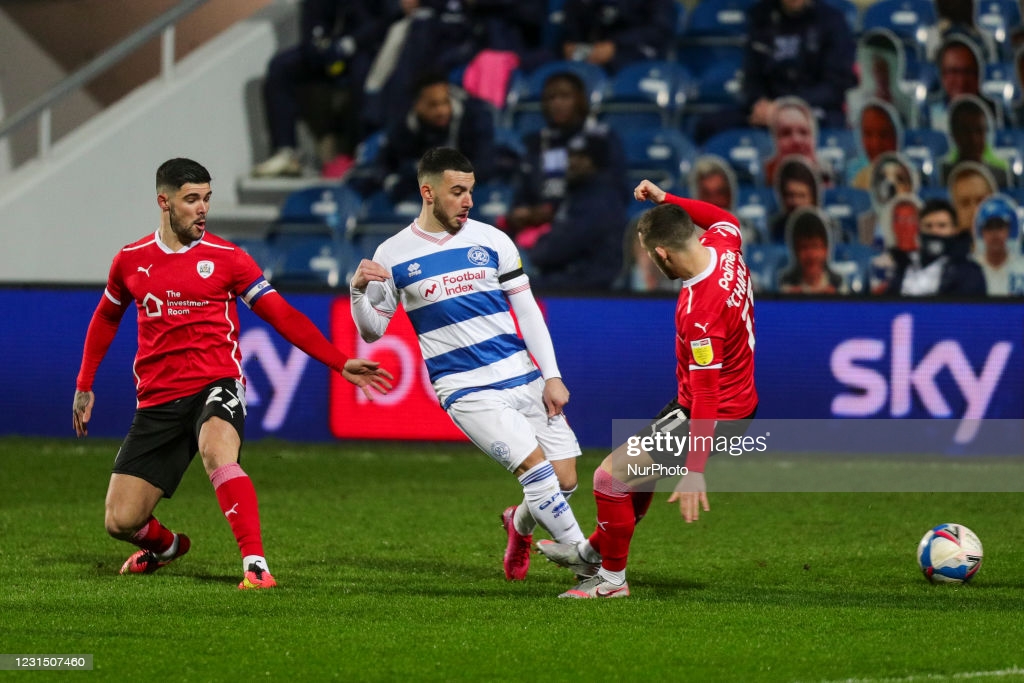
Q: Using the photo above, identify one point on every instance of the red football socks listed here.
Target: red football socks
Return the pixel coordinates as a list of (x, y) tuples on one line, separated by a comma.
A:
[(616, 520), (153, 536), (237, 498)]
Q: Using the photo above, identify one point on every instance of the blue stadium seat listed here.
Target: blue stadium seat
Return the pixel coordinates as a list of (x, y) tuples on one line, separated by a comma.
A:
[(713, 20), (379, 219), (525, 90), (258, 249), (491, 201), (746, 150), (765, 261), (553, 29), (646, 93), (1001, 86), (324, 209), (1008, 144), (998, 18), (845, 205), (755, 207), (663, 155), (307, 261), (719, 84), (836, 149), (853, 262), (908, 19), (925, 147)]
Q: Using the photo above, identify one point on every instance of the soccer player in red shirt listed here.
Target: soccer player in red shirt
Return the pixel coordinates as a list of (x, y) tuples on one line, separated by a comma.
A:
[(188, 371), (715, 375)]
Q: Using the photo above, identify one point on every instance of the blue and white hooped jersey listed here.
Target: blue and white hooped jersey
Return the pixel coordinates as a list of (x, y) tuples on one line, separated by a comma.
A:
[(454, 289)]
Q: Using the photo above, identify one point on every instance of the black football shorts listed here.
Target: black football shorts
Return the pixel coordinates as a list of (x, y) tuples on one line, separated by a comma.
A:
[(163, 439)]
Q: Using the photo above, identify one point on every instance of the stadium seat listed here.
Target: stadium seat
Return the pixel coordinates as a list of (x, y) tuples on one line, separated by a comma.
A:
[(525, 90), (845, 205), (1001, 86), (853, 262), (258, 248), (746, 150), (836, 148), (765, 260), (307, 261), (322, 209), (554, 27), (908, 19), (1009, 145), (715, 20), (925, 147), (491, 201), (755, 207), (379, 219), (646, 93), (663, 155), (998, 18)]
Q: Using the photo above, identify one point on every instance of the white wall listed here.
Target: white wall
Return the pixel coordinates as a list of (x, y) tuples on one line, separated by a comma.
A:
[(26, 72), (63, 218)]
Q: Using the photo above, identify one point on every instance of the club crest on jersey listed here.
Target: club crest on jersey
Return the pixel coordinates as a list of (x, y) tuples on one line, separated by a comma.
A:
[(431, 290), (478, 256), (500, 450), (703, 353), (205, 269), (414, 269)]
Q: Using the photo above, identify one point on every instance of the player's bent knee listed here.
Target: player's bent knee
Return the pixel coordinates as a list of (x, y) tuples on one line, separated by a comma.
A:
[(122, 524)]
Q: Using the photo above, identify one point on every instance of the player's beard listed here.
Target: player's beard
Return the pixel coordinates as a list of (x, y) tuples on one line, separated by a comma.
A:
[(186, 232), (451, 224)]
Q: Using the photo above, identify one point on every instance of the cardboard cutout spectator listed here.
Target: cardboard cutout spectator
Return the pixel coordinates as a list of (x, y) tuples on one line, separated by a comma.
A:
[(971, 138), (881, 65), (998, 244), (809, 237), (891, 174), (798, 186), (970, 183), (794, 131), (880, 132), (900, 227), (961, 72)]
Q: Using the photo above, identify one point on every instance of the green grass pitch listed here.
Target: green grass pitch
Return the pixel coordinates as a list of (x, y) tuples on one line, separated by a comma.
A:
[(388, 558)]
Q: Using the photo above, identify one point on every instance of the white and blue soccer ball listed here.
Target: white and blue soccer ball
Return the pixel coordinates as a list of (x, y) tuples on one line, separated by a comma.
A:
[(949, 553)]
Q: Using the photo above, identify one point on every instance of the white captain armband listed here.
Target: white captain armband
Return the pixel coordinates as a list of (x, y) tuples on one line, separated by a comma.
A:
[(255, 291)]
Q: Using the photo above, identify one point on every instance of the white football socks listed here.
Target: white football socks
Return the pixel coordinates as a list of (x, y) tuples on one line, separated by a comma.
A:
[(258, 560), (523, 519), (547, 505)]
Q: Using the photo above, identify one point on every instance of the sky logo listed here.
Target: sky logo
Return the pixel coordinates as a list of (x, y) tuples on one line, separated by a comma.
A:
[(856, 363)]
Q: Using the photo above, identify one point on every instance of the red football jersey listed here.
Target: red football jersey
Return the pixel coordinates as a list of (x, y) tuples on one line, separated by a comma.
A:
[(187, 313), (715, 325)]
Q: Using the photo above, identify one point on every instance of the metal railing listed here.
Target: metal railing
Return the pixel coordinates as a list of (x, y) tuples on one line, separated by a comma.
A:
[(42, 107)]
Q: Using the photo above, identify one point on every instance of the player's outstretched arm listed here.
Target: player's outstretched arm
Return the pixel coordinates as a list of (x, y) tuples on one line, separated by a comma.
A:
[(691, 493), (556, 396), (300, 331), (647, 190), (538, 343)]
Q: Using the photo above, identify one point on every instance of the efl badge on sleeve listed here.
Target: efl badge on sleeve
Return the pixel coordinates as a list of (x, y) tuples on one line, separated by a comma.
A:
[(703, 353)]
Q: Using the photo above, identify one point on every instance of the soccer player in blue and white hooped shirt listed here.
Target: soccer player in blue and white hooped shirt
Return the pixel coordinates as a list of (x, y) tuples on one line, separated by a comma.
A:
[(459, 281)]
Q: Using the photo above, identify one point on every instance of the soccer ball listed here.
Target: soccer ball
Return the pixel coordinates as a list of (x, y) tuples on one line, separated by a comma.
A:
[(949, 553)]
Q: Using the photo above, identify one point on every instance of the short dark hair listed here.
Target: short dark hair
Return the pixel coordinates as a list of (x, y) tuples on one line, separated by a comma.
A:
[(936, 205), (666, 225), (808, 223), (437, 160), (966, 105), (174, 173), (426, 79), (796, 168)]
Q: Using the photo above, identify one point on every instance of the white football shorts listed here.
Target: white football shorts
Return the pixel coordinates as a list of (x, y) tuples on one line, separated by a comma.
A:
[(508, 424)]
